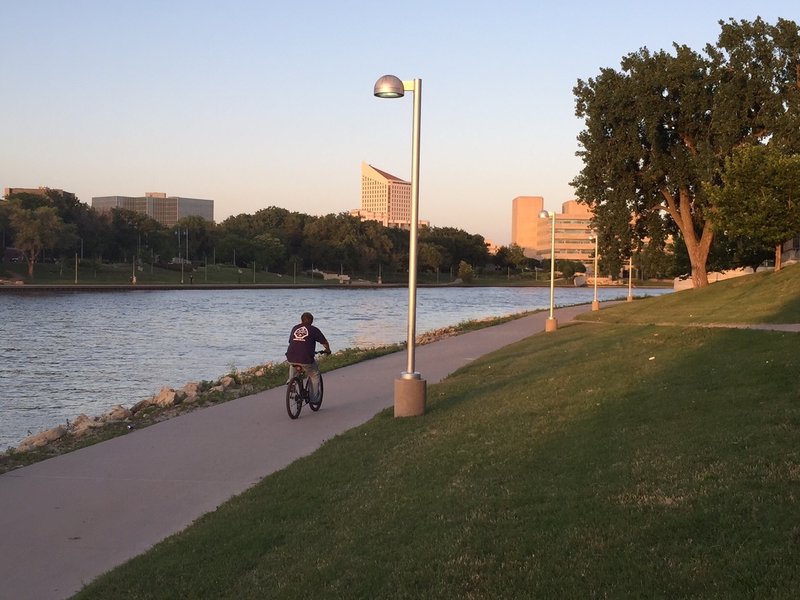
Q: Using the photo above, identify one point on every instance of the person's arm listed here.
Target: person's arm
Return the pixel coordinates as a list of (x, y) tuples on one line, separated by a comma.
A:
[(323, 340)]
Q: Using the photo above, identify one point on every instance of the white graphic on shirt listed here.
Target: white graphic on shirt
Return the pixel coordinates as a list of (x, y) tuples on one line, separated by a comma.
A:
[(300, 334)]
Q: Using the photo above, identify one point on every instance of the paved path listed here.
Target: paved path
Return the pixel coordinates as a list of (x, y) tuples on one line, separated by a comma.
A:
[(67, 520)]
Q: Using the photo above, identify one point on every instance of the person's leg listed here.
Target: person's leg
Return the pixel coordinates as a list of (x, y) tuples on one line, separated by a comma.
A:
[(312, 371)]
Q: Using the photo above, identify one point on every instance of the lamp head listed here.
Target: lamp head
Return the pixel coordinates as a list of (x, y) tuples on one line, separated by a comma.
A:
[(544, 215), (389, 86)]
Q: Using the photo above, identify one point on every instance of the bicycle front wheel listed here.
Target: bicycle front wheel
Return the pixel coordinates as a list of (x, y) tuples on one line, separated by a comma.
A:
[(294, 399), (315, 405)]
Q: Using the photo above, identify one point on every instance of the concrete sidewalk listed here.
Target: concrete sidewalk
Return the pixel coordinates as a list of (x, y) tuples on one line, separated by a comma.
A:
[(67, 520)]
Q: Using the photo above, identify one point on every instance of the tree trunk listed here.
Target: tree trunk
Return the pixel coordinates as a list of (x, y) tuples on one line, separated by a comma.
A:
[(698, 262), (697, 249), (778, 257)]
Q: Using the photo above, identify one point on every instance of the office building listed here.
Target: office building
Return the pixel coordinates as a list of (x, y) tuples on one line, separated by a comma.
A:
[(573, 230), (40, 191), (384, 198), (167, 210)]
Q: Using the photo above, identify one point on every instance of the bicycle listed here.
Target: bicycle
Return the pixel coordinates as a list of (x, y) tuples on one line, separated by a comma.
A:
[(298, 391)]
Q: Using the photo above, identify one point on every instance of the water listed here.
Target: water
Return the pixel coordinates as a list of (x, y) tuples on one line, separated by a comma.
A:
[(63, 354)]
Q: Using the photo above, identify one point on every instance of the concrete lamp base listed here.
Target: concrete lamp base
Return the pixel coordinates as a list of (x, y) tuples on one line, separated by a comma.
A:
[(595, 305), (409, 397), (551, 324)]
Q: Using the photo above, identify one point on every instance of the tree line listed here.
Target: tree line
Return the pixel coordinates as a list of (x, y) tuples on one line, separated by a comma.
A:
[(57, 226)]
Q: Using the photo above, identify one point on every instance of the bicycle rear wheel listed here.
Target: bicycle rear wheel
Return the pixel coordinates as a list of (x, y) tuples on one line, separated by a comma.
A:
[(315, 405), (294, 399)]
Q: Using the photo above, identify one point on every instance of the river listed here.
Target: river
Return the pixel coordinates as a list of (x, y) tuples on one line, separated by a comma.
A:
[(67, 353)]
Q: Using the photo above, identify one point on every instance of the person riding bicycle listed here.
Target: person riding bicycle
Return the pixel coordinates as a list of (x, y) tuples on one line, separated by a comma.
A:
[(303, 341)]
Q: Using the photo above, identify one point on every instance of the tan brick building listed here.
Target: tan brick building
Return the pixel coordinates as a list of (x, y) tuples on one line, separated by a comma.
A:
[(573, 230), (384, 198)]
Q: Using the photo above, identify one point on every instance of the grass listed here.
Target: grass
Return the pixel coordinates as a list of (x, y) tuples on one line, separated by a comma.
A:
[(94, 273), (616, 460), (760, 298)]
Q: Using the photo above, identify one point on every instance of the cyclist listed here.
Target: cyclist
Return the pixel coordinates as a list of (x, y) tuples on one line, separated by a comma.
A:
[(303, 341)]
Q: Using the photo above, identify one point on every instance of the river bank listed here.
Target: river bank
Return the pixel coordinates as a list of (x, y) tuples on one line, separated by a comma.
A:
[(85, 430), (64, 353)]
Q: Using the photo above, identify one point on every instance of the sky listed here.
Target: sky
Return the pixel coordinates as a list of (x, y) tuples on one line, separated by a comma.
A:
[(263, 103)]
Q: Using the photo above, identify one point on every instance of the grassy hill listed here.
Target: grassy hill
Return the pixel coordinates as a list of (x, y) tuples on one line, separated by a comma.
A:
[(615, 459), (760, 298)]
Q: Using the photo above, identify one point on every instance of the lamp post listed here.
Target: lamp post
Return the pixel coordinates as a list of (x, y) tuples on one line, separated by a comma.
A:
[(630, 278), (409, 388), (180, 257), (595, 303), (551, 324)]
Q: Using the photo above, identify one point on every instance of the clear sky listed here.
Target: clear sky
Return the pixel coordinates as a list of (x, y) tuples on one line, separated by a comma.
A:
[(265, 103)]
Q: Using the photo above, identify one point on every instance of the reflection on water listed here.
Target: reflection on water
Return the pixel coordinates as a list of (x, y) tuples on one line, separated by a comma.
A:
[(63, 354)]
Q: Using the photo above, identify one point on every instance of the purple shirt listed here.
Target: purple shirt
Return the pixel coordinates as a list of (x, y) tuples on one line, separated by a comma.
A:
[(302, 344)]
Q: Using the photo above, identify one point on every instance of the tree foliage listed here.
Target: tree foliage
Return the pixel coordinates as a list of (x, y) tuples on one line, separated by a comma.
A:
[(658, 130), (35, 230), (758, 202), (465, 272), (273, 238)]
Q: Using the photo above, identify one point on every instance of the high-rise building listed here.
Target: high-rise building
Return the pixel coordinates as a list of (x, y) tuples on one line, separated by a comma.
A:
[(167, 210), (384, 198), (573, 230)]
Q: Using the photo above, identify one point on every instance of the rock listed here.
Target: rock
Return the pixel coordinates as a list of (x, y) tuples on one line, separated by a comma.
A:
[(166, 397), (82, 424), (227, 382), (141, 405), (117, 413), (191, 391), (42, 439)]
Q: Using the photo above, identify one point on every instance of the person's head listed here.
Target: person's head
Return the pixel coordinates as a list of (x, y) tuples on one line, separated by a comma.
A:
[(307, 318)]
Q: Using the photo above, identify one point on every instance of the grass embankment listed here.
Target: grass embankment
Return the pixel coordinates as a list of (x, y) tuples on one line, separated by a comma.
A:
[(760, 298), (614, 460)]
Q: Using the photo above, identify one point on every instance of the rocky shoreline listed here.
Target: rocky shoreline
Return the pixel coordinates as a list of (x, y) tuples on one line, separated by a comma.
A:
[(158, 407)]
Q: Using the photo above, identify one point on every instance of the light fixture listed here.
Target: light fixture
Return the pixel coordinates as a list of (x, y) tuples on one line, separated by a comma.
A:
[(551, 324), (409, 388), (595, 303)]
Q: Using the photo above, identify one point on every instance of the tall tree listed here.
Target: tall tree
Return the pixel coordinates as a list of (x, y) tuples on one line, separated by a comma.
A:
[(35, 230), (659, 129), (759, 199)]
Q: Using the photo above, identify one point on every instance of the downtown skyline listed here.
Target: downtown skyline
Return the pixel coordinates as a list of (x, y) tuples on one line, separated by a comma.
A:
[(256, 105)]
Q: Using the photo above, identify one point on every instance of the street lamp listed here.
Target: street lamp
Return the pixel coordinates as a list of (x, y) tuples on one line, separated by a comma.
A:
[(595, 303), (180, 258), (551, 324), (409, 388), (630, 278)]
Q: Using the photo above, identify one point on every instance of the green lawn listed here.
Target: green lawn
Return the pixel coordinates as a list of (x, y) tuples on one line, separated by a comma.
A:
[(760, 298), (93, 273), (618, 460)]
